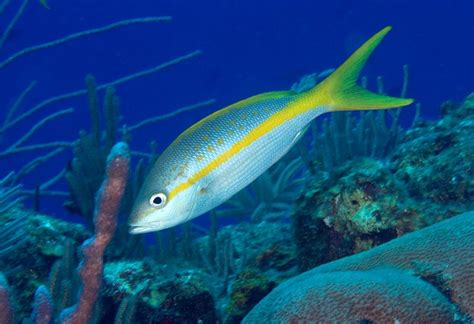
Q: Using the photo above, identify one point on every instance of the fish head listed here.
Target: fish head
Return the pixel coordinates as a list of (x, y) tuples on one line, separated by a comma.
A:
[(166, 199)]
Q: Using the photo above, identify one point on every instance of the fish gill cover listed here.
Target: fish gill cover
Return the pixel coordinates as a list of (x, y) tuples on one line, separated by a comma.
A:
[(78, 77)]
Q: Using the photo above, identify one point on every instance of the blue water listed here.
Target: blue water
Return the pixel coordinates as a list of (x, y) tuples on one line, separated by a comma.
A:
[(248, 47)]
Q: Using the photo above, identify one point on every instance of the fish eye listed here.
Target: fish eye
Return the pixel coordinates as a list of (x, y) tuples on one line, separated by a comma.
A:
[(158, 200)]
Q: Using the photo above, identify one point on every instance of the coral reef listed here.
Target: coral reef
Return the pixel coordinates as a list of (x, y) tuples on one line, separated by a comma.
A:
[(361, 181), (366, 202), (435, 161), (245, 253), (90, 270), (181, 286), (48, 240), (376, 296), (425, 275), (165, 293), (220, 274), (351, 210), (248, 288)]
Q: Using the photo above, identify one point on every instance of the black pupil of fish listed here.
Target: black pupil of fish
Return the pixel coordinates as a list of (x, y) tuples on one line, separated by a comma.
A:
[(157, 200)]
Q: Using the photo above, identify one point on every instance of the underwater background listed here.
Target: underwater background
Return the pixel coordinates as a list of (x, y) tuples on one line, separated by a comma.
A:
[(356, 181)]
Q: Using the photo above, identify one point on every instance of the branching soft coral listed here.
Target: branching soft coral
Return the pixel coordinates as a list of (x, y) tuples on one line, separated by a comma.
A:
[(90, 270)]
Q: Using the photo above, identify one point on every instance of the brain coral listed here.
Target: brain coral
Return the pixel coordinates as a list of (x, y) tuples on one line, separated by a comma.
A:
[(425, 277)]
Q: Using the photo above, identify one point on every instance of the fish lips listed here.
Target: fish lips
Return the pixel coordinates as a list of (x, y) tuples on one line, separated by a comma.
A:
[(137, 229), (142, 228)]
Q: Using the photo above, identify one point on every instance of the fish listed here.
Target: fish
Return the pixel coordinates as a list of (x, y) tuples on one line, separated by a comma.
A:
[(224, 152)]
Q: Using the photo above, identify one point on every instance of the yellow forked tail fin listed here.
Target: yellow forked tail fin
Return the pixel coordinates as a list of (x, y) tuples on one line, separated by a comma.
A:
[(339, 91)]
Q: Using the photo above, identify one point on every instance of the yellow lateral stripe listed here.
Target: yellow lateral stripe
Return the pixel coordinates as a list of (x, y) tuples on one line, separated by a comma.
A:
[(292, 110)]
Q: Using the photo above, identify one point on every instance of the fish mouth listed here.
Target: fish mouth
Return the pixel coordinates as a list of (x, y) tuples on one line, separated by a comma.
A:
[(137, 229), (149, 227), (144, 228)]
